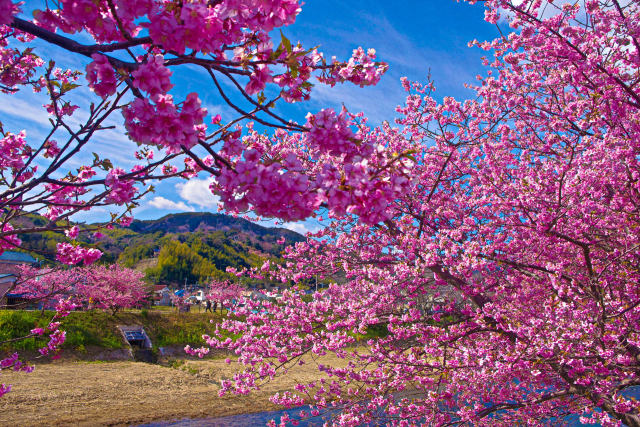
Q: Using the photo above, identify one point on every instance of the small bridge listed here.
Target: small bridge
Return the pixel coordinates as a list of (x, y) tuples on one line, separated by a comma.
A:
[(139, 343)]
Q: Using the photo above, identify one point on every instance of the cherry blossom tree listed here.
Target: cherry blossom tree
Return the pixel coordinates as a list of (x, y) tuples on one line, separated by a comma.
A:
[(45, 285), (135, 52), (111, 287), (140, 48), (181, 302), (495, 240), (224, 292)]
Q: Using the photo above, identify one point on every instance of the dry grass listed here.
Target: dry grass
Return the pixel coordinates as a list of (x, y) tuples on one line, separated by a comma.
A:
[(125, 393)]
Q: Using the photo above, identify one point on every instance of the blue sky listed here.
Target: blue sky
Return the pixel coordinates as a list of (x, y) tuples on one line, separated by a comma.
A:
[(413, 37)]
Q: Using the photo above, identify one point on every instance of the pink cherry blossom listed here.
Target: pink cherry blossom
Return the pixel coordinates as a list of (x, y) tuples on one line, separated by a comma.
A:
[(69, 254), (120, 190), (153, 77), (101, 76), (7, 10)]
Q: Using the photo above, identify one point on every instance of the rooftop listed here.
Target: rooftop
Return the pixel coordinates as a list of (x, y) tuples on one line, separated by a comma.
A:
[(14, 256)]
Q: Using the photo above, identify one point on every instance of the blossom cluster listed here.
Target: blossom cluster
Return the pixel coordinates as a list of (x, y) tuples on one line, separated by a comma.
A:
[(9, 241), (70, 254), (15, 152), (361, 69), (162, 124), (14, 362), (330, 132), (330, 166), (120, 190), (100, 76)]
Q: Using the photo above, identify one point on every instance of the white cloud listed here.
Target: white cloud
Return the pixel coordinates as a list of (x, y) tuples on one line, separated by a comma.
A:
[(166, 204), (25, 108), (301, 227), (298, 227), (196, 192)]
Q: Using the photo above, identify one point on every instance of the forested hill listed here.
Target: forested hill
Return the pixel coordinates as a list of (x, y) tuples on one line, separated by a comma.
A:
[(204, 221), (186, 246), (194, 246)]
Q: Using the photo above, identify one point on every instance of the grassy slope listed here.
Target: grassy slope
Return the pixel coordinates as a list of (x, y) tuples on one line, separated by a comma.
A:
[(98, 329)]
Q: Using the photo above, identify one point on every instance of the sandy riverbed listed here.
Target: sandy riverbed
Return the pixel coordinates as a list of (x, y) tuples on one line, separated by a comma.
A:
[(126, 393)]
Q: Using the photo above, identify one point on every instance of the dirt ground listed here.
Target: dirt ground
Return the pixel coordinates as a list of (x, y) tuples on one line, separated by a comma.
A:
[(126, 393)]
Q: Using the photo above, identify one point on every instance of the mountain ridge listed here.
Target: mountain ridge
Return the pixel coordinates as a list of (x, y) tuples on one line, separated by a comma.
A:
[(208, 221)]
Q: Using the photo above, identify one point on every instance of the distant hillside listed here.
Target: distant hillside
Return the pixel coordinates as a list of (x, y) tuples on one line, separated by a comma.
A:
[(186, 246), (190, 222)]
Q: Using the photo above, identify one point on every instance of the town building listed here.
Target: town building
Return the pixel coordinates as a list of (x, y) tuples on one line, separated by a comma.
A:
[(10, 262)]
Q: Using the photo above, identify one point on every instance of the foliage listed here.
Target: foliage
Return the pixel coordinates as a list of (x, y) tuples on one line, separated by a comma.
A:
[(131, 255), (17, 323), (198, 257)]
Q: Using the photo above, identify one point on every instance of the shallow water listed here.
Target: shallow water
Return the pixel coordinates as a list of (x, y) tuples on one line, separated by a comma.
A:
[(243, 420), (262, 418)]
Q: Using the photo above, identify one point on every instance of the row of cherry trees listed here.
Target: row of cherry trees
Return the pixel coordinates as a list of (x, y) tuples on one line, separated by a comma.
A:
[(496, 239), (107, 287)]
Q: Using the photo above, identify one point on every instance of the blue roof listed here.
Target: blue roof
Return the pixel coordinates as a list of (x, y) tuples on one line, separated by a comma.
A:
[(7, 275), (17, 257)]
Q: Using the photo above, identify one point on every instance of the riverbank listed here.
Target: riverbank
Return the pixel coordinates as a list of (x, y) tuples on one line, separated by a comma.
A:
[(130, 393), (88, 333)]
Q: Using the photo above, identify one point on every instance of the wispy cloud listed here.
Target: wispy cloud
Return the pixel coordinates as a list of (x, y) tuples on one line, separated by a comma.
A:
[(451, 65), (24, 108), (160, 202), (300, 227), (196, 192)]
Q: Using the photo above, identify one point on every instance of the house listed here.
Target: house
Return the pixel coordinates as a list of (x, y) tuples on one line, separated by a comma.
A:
[(161, 295), (6, 281), (10, 262)]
